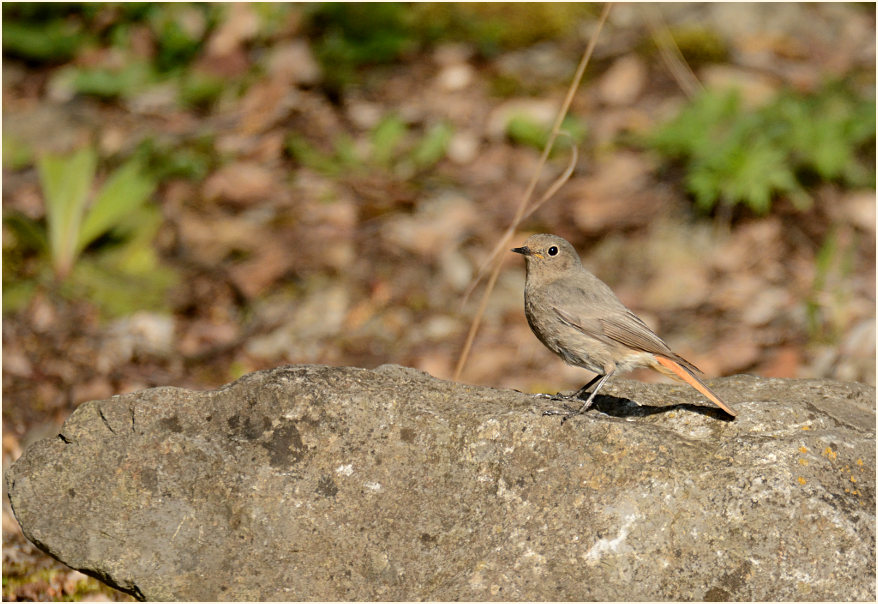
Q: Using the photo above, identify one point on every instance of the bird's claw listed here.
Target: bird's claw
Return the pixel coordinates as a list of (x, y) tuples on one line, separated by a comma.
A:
[(568, 411), (566, 414), (553, 397)]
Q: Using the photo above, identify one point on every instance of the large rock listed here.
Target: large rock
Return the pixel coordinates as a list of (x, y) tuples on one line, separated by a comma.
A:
[(311, 482)]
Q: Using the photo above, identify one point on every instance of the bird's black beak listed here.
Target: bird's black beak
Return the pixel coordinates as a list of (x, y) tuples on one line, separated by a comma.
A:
[(524, 251)]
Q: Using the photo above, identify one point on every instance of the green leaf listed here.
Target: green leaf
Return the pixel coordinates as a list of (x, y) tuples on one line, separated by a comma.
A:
[(575, 129), (17, 295), (386, 138), (346, 156), (524, 130), (116, 292), (65, 181), (432, 147), (702, 183), (17, 154), (308, 155), (735, 155), (127, 277), (127, 81), (694, 132), (125, 190), (199, 89), (52, 41)]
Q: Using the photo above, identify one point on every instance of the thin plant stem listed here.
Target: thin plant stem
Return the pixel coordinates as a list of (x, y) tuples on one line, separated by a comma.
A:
[(559, 182), (523, 204), (670, 52)]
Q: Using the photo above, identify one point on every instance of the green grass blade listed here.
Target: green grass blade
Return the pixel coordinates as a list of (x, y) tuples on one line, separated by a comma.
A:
[(433, 146), (65, 181), (125, 191), (386, 138)]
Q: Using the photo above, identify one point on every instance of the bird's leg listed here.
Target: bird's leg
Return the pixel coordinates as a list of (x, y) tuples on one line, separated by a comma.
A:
[(558, 396), (588, 403), (600, 379), (585, 388)]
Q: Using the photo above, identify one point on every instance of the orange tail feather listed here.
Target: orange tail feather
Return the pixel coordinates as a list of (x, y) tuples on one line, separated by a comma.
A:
[(680, 372)]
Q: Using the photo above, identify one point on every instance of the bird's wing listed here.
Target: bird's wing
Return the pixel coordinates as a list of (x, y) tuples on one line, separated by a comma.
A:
[(630, 330), (587, 325), (616, 324)]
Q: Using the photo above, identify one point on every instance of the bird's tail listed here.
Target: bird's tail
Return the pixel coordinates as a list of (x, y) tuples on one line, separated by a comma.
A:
[(684, 374)]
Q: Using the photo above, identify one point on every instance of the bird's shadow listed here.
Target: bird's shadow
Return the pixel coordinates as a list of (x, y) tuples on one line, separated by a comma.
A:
[(620, 407)]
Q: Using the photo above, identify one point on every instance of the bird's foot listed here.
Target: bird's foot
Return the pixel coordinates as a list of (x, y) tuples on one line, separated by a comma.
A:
[(565, 414), (553, 397), (568, 411)]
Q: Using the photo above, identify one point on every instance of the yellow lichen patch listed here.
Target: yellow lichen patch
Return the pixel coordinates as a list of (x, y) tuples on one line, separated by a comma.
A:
[(853, 479), (802, 480), (806, 427), (828, 452), (859, 461), (803, 449), (803, 462)]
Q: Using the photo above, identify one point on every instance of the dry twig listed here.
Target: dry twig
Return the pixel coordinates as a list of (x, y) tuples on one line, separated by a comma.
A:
[(522, 210), (670, 52)]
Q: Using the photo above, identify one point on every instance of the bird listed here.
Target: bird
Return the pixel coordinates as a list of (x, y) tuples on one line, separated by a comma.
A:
[(578, 317)]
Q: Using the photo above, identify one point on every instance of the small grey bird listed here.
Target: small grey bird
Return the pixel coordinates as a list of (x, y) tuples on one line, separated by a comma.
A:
[(579, 318)]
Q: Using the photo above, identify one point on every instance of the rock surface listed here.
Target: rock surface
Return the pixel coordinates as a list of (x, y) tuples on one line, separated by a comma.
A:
[(320, 483)]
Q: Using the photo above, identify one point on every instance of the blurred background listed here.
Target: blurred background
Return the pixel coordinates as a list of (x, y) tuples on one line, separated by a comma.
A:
[(195, 191)]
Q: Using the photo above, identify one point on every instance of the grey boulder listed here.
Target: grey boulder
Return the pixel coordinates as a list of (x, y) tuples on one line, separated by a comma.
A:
[(322, 483)]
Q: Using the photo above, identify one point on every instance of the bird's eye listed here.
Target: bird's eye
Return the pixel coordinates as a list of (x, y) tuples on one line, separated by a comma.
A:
[(553, 251)]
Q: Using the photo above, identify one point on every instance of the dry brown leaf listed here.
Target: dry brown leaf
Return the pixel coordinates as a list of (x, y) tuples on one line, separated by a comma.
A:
[(271, 260), (239, 26), (242, 183), (264, 104), (210, 238)]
